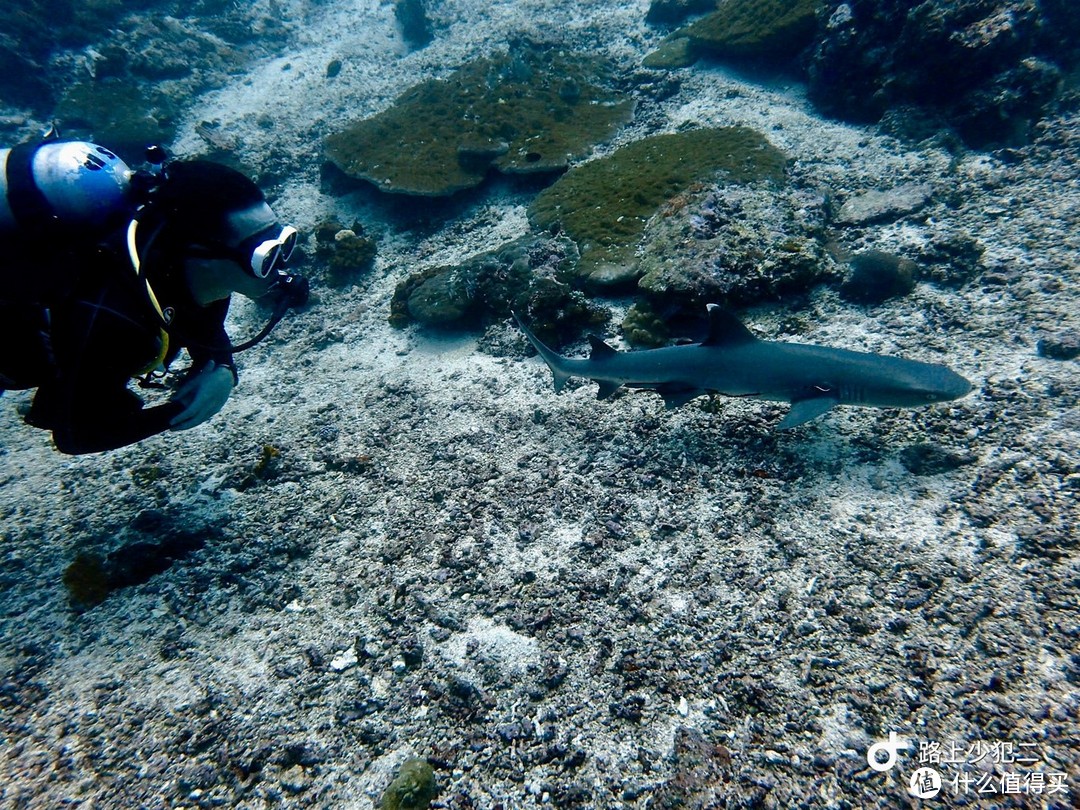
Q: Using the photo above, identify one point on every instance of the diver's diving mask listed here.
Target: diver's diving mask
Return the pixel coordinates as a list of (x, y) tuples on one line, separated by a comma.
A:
[(271, 254), (252, 237), (260, 254)]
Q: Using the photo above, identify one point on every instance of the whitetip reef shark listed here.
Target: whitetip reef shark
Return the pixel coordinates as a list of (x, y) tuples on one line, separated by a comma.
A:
[(732, 362)]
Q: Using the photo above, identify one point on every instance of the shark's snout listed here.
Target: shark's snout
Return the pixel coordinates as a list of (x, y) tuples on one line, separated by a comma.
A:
[(954, 386)]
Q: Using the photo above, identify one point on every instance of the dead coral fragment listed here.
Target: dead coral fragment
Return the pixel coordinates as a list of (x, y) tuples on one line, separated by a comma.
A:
[(347, 252), (523, 275), (414, 787), (733, 245), (413, 19), (525, 111), (604, 204), (877, 276)]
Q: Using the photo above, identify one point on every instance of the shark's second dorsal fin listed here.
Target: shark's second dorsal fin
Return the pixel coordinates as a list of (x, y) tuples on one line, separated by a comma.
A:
[(600, 350), (725, 329)]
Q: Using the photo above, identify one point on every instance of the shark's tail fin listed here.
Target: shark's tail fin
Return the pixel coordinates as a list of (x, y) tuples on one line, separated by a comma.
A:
[(551, 357)]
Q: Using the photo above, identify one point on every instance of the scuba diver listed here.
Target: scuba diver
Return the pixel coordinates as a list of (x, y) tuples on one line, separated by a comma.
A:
[(109, 273)]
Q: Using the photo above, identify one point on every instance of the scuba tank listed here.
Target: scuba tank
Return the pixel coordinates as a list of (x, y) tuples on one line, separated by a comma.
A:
[(75, 184)]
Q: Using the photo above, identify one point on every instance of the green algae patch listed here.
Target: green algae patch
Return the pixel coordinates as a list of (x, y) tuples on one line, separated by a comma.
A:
[(755, 28), (413, 788), (525, 111), (603, 205), (674, 53)]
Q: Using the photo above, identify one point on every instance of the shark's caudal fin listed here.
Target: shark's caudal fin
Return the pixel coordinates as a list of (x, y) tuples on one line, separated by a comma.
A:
[(553, 359)]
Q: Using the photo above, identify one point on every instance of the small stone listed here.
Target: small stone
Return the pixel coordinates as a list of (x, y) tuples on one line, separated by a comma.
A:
[(630, 708), (518, 730), (672, 54), (880, 206), (1060, 346), (413, 787), (295, 779), (441, 299), (343, 660)]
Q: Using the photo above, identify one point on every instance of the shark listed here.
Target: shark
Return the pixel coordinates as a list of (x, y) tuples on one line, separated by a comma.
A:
[(733, 362)]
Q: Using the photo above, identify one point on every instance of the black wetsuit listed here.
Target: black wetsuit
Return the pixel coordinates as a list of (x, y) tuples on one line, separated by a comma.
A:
[(82, 326)]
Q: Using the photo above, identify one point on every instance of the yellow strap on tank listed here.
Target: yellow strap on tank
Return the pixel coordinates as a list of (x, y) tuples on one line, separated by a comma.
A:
[(133, 254), (158, 363)]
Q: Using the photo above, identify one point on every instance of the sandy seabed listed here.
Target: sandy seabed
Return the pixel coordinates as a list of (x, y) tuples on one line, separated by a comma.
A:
[(400, 545)]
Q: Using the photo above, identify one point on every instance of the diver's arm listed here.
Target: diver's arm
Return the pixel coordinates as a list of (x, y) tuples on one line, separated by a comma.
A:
[(207, 339), (92, 419), (98, 346), (212, 375), (72, 441)]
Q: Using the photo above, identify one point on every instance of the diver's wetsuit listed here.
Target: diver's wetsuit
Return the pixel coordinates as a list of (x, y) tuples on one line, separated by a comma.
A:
[(81, 344)]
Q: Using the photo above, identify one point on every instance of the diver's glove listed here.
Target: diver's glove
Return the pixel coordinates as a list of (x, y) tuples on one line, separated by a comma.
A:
[(202, 395)]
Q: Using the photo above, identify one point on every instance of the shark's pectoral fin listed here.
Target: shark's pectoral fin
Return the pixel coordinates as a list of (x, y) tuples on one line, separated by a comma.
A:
[(607, 389), (676, 395), (803, 410)]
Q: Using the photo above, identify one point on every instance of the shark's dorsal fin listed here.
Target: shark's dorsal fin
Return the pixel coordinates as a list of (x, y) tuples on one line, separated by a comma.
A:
[(600, 350), (725, 329)]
